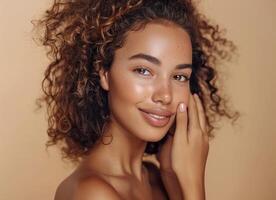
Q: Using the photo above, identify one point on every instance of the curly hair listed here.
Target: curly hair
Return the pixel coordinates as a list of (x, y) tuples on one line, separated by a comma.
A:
[(81, 37)]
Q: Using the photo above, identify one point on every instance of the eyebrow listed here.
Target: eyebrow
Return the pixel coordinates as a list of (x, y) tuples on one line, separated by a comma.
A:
[(156, 61)]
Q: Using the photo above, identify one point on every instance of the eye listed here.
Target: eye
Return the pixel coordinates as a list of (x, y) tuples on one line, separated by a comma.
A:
[(182, 78), (142, 71)]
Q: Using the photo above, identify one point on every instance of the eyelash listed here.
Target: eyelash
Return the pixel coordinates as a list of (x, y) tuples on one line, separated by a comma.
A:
[(142, 68)]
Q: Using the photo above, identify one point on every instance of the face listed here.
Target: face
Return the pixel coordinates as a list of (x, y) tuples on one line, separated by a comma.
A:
[(148, 79)]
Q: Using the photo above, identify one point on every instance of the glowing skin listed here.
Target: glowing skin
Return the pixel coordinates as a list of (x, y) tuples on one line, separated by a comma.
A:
[(155, 86), (161, 85)]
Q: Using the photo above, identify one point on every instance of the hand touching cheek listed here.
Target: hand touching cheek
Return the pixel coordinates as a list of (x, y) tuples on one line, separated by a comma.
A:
[(190, 143), (185, 153)]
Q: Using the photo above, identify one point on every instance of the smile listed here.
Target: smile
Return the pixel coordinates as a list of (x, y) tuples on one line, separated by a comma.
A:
[(155, 120)]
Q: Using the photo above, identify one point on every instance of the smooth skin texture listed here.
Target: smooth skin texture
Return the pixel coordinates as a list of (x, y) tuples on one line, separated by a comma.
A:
[(135, 82), (185, 154)]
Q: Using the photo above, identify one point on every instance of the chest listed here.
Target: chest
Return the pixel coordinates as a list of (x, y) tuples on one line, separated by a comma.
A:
[(132, 190)]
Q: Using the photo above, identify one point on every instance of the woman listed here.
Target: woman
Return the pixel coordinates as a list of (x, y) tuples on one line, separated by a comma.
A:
[(127, 79)]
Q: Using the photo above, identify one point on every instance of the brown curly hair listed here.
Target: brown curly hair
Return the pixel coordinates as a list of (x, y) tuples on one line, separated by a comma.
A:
[(81, 37)]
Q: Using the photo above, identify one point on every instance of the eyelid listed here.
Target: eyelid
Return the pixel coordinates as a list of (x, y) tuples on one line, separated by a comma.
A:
[(187, 77), (142, 67)]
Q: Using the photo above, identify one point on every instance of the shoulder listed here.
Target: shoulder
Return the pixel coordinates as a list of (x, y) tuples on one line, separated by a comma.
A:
[(95, 188), (89, 188)]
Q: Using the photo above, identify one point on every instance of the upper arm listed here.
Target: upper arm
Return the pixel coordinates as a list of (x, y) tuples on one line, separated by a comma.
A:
[(95, 188)]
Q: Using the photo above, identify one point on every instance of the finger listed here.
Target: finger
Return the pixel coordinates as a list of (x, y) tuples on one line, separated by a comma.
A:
[(201, 113), (181, 123), (192, 114)]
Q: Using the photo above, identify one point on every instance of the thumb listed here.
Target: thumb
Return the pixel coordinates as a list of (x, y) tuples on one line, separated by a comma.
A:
[(181, 123)]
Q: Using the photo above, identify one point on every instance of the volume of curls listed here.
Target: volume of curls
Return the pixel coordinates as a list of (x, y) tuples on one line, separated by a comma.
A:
[(81, 37)]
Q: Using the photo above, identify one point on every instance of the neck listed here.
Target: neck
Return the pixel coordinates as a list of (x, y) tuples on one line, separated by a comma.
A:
[(119, 153)]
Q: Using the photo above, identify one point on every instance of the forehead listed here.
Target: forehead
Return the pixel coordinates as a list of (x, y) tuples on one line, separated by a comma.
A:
[(160, 40)]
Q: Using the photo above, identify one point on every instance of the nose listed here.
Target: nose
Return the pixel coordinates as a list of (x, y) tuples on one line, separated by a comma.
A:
[(162, 92)]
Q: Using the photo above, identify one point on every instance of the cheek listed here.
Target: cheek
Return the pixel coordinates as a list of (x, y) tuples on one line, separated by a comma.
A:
[(187, 96), (128, 89), (182, 95)]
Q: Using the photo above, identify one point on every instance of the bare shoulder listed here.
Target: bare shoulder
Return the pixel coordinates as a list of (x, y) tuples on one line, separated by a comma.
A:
[(89, 188), (95, 188)]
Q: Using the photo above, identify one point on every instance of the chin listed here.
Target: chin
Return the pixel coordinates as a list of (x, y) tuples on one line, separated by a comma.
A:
[(153, 135)]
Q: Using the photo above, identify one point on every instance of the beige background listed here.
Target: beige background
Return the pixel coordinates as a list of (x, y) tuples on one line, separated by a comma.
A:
[(241, 164)]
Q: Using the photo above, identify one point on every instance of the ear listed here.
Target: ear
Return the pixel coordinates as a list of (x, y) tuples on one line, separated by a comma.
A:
[(104, 81)]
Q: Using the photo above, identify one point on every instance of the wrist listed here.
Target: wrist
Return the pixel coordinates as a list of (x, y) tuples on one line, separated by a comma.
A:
[(194, 192), (193, 187), (190, 178)]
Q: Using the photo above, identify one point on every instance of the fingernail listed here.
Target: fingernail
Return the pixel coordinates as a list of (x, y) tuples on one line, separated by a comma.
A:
[(182, 107)]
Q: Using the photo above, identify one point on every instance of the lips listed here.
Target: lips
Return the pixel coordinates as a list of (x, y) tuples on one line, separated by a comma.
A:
[(160, 112), (157, 117)]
